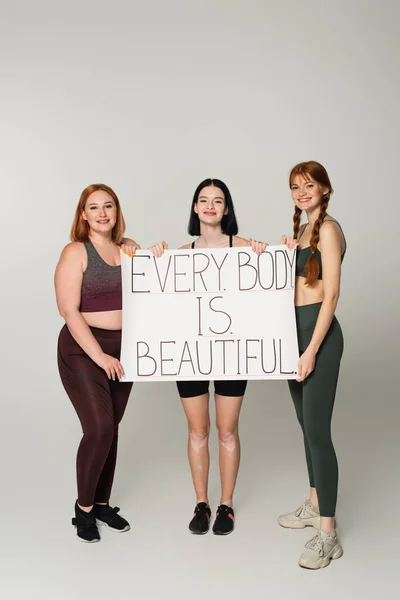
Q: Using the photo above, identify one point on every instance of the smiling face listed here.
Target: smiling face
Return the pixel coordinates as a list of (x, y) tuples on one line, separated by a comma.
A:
[(307, 193), (210, 205), (100, 212)]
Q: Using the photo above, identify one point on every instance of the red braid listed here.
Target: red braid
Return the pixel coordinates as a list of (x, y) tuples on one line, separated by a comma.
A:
[(311, 269), (296, 222), (317, 172)]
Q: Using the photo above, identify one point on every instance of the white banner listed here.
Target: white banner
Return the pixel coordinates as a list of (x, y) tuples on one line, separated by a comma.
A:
[(209, 314)]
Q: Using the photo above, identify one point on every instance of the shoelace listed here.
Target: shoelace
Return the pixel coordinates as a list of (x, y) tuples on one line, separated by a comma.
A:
[(202, 512), (223, 511), (316, 544), (301, 511)]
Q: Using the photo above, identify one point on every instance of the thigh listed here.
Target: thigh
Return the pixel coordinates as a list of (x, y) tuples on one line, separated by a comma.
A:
[(197, 412), (231, 388), (319, 390), (120, 394), (88, 388), (227, 410), (296, 392), (191, 389)]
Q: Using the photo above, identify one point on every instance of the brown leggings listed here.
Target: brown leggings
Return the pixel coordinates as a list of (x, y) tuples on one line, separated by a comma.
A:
[(100, 404)]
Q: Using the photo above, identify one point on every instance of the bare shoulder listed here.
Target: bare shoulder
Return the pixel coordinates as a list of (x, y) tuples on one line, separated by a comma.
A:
[(73, 250), (330, 228), (239, 241), (330, 234), (185, 247), (73, 253)]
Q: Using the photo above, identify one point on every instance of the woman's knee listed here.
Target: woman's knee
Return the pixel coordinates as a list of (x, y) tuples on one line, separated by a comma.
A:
[(198, 437), (102, 432), (228, 436)]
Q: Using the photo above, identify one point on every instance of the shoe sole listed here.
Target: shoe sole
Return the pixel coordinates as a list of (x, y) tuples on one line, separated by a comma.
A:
[(199, 532), (221, 533), (313, 522), (86, 541), (104, 524), (333, 555)]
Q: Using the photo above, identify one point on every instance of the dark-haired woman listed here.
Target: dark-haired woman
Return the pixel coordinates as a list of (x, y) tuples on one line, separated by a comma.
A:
[(89, 298), (320, 250), (212, 219)]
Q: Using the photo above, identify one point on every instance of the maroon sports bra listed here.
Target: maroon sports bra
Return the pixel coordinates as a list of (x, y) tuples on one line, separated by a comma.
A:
[(101, 284)]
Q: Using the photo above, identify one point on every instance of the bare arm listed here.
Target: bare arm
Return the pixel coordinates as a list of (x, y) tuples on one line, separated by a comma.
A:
[(68, 284), (331, 265)]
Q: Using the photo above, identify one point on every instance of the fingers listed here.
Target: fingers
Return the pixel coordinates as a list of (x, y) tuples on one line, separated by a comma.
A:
[(159, 249), (257, 247), (288, 241), (114, 370), (299, 371), (129, 249)]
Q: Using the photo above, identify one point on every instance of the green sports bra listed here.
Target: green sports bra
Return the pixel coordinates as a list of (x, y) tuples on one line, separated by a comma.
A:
[(303, 254)]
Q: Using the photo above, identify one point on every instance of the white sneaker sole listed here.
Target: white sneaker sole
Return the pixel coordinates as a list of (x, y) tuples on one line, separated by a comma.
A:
[(86, 541), (336, 552), (301, 523), (103, 524)]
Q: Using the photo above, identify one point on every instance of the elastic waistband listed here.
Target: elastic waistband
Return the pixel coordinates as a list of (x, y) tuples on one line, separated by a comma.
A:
[(110, 334), (308, 309), (306, 316)]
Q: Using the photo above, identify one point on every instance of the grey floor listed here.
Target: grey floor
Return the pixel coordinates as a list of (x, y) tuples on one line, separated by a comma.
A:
[(158, 558)]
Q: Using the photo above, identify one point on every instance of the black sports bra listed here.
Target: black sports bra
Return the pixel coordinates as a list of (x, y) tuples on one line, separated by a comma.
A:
[(303, 254), (230, 242)]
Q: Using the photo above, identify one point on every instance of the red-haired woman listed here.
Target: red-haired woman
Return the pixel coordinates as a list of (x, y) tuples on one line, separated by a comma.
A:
[(89, 298), (320, 250)]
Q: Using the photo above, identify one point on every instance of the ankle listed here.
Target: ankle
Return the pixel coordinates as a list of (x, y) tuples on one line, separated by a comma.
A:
[(228, 502), (86, 509)]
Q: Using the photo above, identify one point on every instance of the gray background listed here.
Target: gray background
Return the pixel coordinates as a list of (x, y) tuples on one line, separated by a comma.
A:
[(151, 98)]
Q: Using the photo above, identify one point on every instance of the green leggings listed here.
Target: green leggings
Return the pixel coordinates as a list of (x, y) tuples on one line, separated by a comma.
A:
[(313, 400)]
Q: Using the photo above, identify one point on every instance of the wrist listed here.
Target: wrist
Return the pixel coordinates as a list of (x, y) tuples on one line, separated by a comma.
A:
[(97, 356), (312, 348)]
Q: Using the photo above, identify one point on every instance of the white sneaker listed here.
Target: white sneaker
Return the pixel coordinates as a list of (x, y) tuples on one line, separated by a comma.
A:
[(320, 550), (304, 516)]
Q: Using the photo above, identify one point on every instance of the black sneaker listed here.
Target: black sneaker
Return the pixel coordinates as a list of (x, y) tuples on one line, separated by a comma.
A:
[(224, 522), (201, 519), (105, 515), (85, 523)]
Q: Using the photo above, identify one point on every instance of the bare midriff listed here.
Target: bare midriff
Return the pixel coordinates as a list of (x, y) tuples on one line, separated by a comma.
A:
[(305, 294), (110, 319)]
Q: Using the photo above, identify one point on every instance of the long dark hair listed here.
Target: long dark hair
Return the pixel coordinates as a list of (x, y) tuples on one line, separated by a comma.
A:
[(228, 224)]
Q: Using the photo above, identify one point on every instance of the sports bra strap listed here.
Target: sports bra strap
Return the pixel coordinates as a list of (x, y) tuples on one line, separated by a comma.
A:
[(302, 231)]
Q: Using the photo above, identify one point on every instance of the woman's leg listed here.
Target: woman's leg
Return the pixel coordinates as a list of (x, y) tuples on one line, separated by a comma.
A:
[(119, 394), (296, 392), (197, 413), (88, 388), (228, 405), (318, 400)]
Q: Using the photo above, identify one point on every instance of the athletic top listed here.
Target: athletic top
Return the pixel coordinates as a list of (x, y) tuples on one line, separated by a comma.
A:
[(230, 242), (101, 284), (304, 254)]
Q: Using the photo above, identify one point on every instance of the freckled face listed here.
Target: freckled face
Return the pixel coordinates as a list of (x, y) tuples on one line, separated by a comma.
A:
[(307, 193), (100, 212), (210, 205)]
